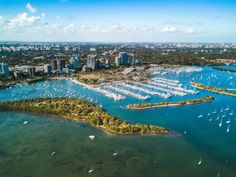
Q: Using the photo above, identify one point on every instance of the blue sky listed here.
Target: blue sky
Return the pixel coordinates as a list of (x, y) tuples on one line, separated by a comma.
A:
[(118, 20)]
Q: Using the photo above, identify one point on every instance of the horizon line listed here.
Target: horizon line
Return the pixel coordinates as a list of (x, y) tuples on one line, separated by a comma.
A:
[(113, 42)]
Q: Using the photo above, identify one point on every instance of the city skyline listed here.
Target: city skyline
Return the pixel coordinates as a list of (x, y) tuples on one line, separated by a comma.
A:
[(114, 21)]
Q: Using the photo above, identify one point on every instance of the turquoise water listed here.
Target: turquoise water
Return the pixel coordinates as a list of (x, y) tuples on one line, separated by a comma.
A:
[(25, 150)]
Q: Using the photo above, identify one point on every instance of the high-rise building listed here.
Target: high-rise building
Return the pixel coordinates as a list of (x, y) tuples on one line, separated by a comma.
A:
[(75, 62), (58, 65), (132, 59), (54, 65), (118, 61), (92, 62), (31, 71), (61, 64), (122, 59), (4, 69), (47, 69)]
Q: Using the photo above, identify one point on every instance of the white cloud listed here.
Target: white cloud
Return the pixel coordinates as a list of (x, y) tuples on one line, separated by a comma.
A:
[(190, 31), (71, 28), (145, 29), (169, 29), (39, 26), (22, 20), (83, 27), (30, 8), (109, 28), (1, 19), (43, 15)]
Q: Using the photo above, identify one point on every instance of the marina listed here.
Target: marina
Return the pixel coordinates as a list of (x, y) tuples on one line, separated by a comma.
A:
[(121, 88), (127, 92), (200, 124)]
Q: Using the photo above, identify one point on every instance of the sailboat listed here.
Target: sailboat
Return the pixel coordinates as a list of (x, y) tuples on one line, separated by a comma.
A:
[(53, 153), (200, 162), (228, 121), (221, 110), (228, 128), (91, 170), (200, 116), (115, 154), (220, 124), (92, 137), (226, 109), (25, 122)]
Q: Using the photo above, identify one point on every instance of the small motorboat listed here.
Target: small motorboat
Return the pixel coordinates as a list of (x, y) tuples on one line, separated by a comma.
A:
[(200, 116), (115, 154), (228, 121), (92, 137), (220, 124), (91, 170), (228, 128), (200, 162), (53, 153), (25, 122)]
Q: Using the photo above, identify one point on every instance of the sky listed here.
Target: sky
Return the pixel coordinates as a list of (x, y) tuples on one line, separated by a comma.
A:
[(118, 20)]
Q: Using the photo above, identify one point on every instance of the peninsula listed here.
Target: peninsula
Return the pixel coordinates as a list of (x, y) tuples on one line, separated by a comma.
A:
[(224, 69), (76, 109), (213, 89), (168, 104)]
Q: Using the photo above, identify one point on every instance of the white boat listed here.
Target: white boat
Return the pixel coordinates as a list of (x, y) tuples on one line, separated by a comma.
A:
[(91, 170), (228, 128), (220, 124), (231, 113), (115, 154), (218, 117), (147, 97), (53, 153), (226, 109), (92, 137), (200, 116), (200, 162), (228, 121), (25, 122)]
